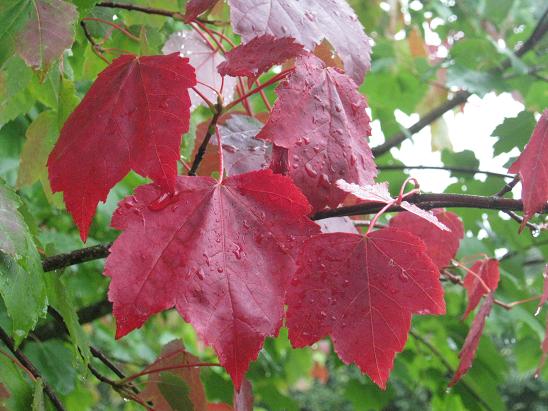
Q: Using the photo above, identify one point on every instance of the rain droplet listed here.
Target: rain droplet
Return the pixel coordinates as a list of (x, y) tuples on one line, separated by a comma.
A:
[(310, 171)]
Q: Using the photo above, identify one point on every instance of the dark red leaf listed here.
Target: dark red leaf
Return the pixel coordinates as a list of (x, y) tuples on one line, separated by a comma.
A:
[(132, 118), (309, 22), (362, 291), (482, 279), (442, 246), (258, 56), (205, 60), (472, 339), (320, 119), (174, 355), (532, 167), (243, 399), (221, 254), (196, 7)]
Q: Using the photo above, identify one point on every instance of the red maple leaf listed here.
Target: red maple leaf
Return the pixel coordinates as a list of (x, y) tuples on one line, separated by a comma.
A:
[(441, 245), (532, 167), (132, 118), (472, 340), (309, 22), (362, 291), (221, 254), (196, 7), (258, 56), (482, 278), (320, 119)]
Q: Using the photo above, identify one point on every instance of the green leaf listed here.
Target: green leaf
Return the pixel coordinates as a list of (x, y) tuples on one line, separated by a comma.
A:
[(465, 158), (475, 54), (38, 400), (13, 378), (175, 391), (479, 82), (21, 277), (15, 98), (84, 6), (61, 300), (53, 360), (514, 132), (13, 14)]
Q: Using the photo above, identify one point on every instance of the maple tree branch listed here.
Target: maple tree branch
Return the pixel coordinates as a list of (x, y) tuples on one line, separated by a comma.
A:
[(22, 358), (462, 96), (454, 169), (210, 131), (430, 201), (59, 261), (142, 9)]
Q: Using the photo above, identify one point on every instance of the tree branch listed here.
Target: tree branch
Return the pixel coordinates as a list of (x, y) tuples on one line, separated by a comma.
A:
[(453, 169), (147, 10), (210, 131), (76, 257), (22, 358), (462, 96)]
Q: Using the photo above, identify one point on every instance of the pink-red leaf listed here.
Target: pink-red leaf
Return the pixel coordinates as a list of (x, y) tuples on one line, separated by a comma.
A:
[(472, 339), (221, 254), (205, 59), (320, 119), (379, 193), (258, 56), (442, 245), (174, 355), (196, 7), (132, 118), (532, 167), (362, 291), (482, 278), (309, 22)]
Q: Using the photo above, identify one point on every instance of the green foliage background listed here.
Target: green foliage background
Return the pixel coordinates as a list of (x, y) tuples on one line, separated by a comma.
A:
[(32, 111)]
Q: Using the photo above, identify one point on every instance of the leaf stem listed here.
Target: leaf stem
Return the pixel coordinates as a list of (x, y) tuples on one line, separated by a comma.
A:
[(218, 110)]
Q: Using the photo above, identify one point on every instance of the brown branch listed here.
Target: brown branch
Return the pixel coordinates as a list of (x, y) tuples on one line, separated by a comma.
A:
[(462, 96), (142, 9), (76, 257), (210, 131), (429, 201), (453, 169), (22, 358)]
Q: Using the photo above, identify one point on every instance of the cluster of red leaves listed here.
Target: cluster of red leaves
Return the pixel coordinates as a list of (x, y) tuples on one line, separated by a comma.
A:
[(229, 255)]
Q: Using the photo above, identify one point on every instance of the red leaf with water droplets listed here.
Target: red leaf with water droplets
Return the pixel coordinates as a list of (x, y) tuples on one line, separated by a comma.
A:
[(325, 133), (132, 118), (483, 278), (196, 7), (309, 22), (442, 245), (533, 170), (362, 291), (221, 254), (258, 56), (174, 355), (472, 340)]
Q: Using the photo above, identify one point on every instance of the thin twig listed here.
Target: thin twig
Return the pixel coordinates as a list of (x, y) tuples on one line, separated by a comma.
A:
[(142, 9), (210, 131), (22, 358), (453, 169)]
